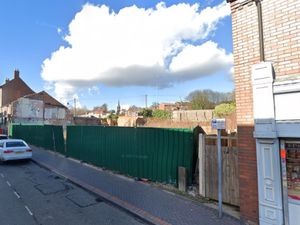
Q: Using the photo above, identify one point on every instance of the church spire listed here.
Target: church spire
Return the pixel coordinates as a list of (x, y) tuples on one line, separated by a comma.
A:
[(118, 108)]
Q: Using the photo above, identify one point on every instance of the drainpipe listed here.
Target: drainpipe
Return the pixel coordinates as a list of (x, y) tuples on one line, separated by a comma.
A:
[(260, 30)]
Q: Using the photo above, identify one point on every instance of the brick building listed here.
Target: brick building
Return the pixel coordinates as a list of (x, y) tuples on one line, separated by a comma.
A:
[(40, 108), (11, 91), (266, 45), (19, 103)]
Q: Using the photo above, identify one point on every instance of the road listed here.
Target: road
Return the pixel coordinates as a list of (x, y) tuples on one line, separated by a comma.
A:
[(31, 195)]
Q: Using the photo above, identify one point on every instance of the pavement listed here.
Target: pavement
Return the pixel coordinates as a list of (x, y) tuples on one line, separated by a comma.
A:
[(33, 195), (148, 203)]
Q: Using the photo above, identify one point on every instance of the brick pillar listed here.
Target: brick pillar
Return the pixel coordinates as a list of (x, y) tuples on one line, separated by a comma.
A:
[(247, 174), (246, 54)]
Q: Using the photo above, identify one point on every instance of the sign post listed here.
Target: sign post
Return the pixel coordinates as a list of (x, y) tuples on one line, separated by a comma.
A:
[(219, 124)]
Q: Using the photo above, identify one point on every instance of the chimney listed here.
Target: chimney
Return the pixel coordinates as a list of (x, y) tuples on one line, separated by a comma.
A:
[(16, 74), (6, 80)]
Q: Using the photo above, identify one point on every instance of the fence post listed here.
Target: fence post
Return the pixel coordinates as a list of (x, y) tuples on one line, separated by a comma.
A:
[(182, 178), (53, 139), (201, 160)]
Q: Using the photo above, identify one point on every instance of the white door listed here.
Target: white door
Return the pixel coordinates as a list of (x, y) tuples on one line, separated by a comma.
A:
[(290, 159), (269, 182)]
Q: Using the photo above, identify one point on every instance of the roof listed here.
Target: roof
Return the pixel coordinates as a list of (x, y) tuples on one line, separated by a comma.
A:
[(14, 89), (46, 98)]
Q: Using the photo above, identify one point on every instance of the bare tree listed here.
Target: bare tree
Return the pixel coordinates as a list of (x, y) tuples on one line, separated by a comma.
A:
[(208, 99)]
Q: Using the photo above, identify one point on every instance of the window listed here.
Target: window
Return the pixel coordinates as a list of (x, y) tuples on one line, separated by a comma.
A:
[(15, 144), (293, 170)]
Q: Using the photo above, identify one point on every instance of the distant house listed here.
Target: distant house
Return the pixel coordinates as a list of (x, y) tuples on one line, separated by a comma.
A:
[(174, 106), (133, 111), (98, 112), (167, 106), (10, 92), (20, 104), (39, 107)]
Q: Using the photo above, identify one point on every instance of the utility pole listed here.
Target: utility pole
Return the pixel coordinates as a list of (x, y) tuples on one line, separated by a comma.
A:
[(146, 101), (74, 107)]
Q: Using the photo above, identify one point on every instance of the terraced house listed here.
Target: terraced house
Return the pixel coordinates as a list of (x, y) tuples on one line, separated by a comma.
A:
[(266, 43), (10, 91), (20, 104)]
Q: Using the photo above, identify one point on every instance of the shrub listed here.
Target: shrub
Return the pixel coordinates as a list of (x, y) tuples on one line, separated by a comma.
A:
[(113, 117), (146, 113), (224, 109), (161, 114)]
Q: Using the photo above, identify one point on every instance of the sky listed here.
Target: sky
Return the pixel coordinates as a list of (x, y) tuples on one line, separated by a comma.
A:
[(105, 51)]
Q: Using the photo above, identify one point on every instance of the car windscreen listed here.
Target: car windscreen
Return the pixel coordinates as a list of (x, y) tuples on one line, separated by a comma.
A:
[(15, 144)]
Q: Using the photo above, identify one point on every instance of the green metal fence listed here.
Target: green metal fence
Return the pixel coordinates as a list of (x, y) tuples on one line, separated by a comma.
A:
[(45, 136), (152, 153)]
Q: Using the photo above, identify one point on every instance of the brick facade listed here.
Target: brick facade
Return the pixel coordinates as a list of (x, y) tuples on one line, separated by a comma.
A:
[(281, 31), (14, 89)]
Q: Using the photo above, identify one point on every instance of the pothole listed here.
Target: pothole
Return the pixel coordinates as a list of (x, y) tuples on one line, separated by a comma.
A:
[(52, 188)]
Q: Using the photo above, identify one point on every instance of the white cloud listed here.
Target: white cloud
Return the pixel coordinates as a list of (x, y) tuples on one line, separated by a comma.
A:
[(203, 59), (231, 72), (59, 30), (93, 90), (136, 46)]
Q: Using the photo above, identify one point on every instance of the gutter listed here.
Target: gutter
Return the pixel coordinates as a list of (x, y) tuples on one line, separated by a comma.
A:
[(260, 31)]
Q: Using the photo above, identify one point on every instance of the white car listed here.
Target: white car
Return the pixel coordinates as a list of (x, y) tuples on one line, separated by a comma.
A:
[(14, 149)]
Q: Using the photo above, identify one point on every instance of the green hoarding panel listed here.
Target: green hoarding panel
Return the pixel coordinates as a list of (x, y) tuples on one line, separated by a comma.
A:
[(46, 136), (152, 153)]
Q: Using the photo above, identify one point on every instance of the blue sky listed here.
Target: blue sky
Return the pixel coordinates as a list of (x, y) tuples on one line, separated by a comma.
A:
[(32, 30)]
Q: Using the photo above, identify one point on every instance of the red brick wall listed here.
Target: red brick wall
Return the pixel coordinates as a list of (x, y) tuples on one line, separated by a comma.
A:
[(247, 174), (246, 53), (281, 24), (13, 90), (281, 20)]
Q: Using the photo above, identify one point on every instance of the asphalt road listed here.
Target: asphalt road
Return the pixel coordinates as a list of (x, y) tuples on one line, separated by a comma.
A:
[(30, 195)]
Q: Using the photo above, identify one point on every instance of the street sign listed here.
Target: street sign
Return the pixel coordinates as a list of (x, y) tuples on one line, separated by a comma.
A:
[(218, 124)]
